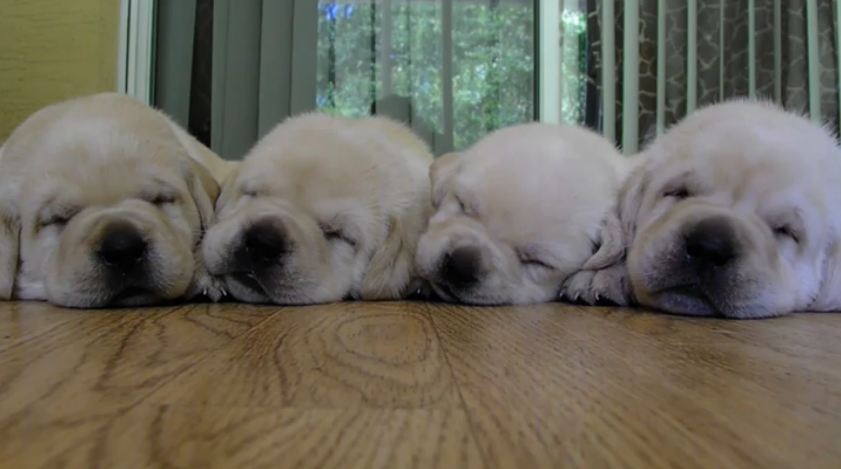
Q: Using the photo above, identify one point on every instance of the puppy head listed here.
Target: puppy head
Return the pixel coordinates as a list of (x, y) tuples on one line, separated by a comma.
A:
[(733, 213), (517, 213), (323, 208), (100, 206)]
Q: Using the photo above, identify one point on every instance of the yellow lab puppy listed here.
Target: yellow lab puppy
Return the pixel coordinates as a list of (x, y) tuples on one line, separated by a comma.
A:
[(102, 202), (735, 212), (520, 214), (323, 208)]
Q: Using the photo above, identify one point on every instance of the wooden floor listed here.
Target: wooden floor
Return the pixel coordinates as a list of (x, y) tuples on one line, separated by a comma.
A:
[(415, 385)]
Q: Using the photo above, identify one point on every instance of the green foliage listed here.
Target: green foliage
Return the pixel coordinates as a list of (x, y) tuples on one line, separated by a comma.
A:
[(493, 53)]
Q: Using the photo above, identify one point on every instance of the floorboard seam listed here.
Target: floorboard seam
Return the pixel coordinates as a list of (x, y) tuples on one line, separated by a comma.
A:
[(464, 408)]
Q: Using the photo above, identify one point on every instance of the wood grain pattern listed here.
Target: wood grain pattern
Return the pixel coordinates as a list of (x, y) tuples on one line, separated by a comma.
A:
[(336, 356), (599, 392), (59, 385), (415, 385), (169, 436)]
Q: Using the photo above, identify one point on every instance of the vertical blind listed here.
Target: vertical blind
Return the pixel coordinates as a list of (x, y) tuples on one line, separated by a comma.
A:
[(686, 54), (457, 69)]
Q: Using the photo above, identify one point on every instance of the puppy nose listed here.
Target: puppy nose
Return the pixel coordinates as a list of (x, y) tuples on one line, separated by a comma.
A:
[(711, 243), (122, 247), (264, 243), (461, 267)]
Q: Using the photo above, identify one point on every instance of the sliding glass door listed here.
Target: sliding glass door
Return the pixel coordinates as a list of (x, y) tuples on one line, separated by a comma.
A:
[(455, 70)]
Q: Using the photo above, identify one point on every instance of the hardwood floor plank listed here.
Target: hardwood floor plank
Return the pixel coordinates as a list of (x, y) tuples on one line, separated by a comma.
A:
[(21, 320), (377, 355), (792, 356), (85, 371), (547, 386), (208, 437), (415, 385)]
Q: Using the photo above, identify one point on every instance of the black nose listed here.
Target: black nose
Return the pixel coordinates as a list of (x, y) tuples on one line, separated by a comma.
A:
[(711, 244), (264, 243), (461, 267), (122, 247)]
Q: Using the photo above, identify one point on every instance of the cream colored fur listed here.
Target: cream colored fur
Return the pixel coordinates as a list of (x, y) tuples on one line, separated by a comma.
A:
[(772, 177), (349, 197), (535, 201), (75, 168)]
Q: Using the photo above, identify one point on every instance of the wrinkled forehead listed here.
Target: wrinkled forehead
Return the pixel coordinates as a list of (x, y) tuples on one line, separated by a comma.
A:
[(526, 200), (92, 180), (757, 175), (314, 180)]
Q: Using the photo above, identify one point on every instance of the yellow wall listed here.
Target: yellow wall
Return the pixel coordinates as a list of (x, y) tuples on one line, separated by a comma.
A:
[(52, 50)]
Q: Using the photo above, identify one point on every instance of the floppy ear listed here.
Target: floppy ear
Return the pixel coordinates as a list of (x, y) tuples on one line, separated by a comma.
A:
[(391, 271), (611, 244), (9, 251), (829, 295), (630, 199), (204, 190), (441, 174), (227, 191), (9, 247), (604, 275)]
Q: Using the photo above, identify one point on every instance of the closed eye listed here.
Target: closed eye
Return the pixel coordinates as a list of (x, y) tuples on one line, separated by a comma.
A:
[(465, 207), (529, 261), (54, 220), (787, 231), (678, 193), (163, 199), (333, 234), (461, 205), (57, 219)]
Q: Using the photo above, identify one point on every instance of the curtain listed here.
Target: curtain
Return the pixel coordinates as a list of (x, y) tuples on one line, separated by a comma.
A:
[(710, 50), (453, 70)]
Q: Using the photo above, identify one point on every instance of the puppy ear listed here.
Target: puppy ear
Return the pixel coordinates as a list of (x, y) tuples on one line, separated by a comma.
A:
[(9, 251), (829, 295), (9, 247), (441, 174), (204, 189), (391, 272), (227, 192), (630, 200), (611, 244)]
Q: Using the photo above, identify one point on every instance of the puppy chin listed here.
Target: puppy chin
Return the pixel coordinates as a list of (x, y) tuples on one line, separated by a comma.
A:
[(663, 281), (443, 293), (103, 297), (262, 289), (135, 297), (473, 296), (90, 287), (30, 290), (683, 300), (246, 287)]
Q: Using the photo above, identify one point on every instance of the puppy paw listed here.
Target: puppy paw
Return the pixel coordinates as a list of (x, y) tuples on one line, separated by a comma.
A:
[(203, 283), (578, 287), (207, 285), (591, 287), (612, 284), (214, 289)]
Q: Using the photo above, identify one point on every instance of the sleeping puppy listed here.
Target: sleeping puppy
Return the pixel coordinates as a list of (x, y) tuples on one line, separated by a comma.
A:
[(102, 203), (323, 208), (519, 213), (735, 212)]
